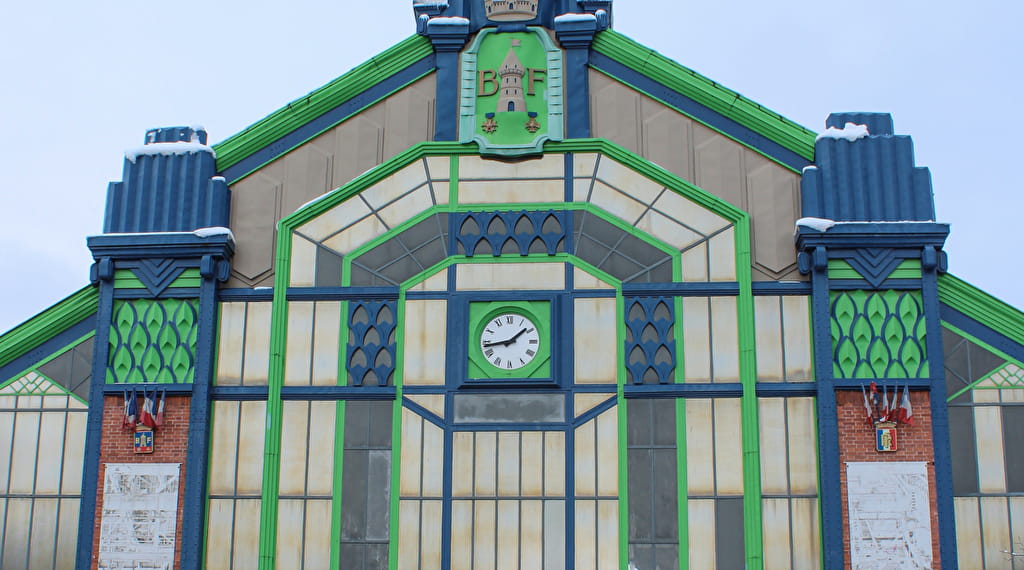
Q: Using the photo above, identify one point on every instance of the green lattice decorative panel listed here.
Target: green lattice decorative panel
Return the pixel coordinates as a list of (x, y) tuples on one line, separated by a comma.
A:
[(1009, 376), (153, 341), (878, 334), (33, 384)]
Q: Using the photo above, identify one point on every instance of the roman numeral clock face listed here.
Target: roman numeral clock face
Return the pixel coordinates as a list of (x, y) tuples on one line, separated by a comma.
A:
[(509, 341)]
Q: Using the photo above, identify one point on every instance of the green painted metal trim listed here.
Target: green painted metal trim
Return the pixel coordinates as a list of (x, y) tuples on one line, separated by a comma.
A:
[(304, 109), (55, 354), (982, 307), (48, 323), (752, 518), (706, 92), (1001, 354), (339, 467), (396, 439), (621, 410), (682, 486), (841, 269), (126, 279)]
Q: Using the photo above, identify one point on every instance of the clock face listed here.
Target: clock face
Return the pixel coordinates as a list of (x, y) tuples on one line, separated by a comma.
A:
[(509, 341)]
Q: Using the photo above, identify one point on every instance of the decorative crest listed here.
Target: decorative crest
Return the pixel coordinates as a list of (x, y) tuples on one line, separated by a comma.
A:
[(510, 10)]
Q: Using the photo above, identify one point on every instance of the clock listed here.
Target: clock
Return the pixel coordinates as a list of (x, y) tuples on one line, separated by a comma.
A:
[(510, 341)]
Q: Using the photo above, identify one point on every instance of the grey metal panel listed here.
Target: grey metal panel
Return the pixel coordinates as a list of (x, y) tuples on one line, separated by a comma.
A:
[(710, 160), (326, 162)]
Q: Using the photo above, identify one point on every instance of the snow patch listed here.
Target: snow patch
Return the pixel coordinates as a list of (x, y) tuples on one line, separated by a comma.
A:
[(450, 20), (565, 18), (808, 167), (166, 149), (214, 231), (219, 179), (850, 132), (819, 224)]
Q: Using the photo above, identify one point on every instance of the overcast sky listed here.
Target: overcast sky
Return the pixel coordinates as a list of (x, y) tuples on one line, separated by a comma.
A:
[(83, 81)]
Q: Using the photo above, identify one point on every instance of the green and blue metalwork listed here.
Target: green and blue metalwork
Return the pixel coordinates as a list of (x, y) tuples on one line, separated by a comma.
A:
[(371, 345), (650, 340), (153, 341), (878, 334)]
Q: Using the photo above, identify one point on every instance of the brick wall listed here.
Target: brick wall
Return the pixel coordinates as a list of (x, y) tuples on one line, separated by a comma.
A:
[(857, 443), (117, 446)]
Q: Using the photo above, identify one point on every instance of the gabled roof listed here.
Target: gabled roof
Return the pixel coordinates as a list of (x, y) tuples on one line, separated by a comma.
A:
[(49, 323), (982, 307)]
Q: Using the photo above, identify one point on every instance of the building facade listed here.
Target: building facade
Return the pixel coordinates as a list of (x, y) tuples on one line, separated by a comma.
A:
[(517, 293)]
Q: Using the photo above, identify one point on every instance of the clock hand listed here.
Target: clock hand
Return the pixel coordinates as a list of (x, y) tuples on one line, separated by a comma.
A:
[(517, 335), (505, 342)]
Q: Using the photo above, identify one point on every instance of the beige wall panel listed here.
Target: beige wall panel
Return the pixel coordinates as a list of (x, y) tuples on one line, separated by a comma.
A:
[(514, 192), (968, 532), (303, 269), (666, 138), (722, 251), (67, 541), (626, 180), (229, 343), (675, 205), (436, 282), (584, 164), (583, 280), (290, 515), (321, 469), (462, 462), (803, 445), (318, 535), (326, 343), (695, 263), (462, 535), (667, 230), (806, 534), (407, 207), (430, 535), (596, 358), (768, 331), (250, 448), (307, 174), (442, 192), (607, 535), (988, 429), (616, 203), (775, 528), (1012, 395), (36, 402), (26, 440), (581, 189), (224, 447), (410, 116), (358, 144), (985, 396), (701, 516), (728, 455), (408, 533), (432, 402), (74, 449), (554, 464), (433, 460), (700, 456), (397, 185), (294, 447), (531, 468), (614, 112), (608, 453), (256, 366), (586, 534), (532, 521), (546, 166), (508, 464), (797, 323), (356, 235), (247, 534), (48, 462), (996, 537), (773, 202), (299, 345), (586, 460), (508, 535), (485, 464), (424, 350), (771, 414), (255, 209), (725, 339), (718, 165), (44, 533), (484, 526), (412, 454), (487, 276), (336, 219), (583, 402), (439, 167)]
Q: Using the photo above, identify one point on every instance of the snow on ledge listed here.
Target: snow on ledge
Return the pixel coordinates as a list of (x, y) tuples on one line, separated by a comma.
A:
[(166, 149), (213, 231), (825, 224), (566, 18), (850, 132), (450, 21), (820, 224)]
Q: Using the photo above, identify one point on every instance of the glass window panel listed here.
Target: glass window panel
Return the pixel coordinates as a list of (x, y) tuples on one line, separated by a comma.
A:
[(16, 533), (616, 203), (673, 205), (554, 534), (250, 448), (668, 231), (666, 495), (74, 448), (595, 326), (462, 535), (619, 176), (607, 440), (586, 534), (247, 534), (700, 455), (728, 455), (729, 545), (26, 441), (797, 327), (806, 533), (326, 343), (67, 539), (725, 340), (722, 252), (532, 464), (406, 207), (409, 530), (356, 235), (317, 548), (532, 520), (995, 527), (1017, 521), (220, 521), (775, 525), (338, 217), (991, 467), (586, 460), (1013, 434), (485, 472), (507, 534), (640, 473), (701, 522), (430, 535), (44, 533), (6, 442), (501, 408), (410, 468), (49, 459), (554, 464), (694, 263), (303, 269), (769, 331), (803, 445), (294, 445), (607, 535), (508, 465), (354, 495), (290, 524), (224, 447), (433, 460), (963, 450), (968, 532), (484, 528), (396, 185), (774, 464), (696, 339), (300, 341), (328, 268), (462, 464), (229, 350), (425, 337), (256, 363)]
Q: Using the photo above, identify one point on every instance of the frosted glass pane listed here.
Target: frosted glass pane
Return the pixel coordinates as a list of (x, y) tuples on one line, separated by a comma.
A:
[(300, 344), (462, 535), (411, 454), (48, 462), (772, 416), (615, 203), (696, 340), (728, 455), (607, 535), (247, 533), (725, 339), (326, 343), (595, 328), (554, 464), (803, 446), (674, 205), (586, 460), (532, 472), (515, 192), (490, 276), (608, 453), (257, 344), (615, 174), (768, 331), (224, 447), (532, 517), (408, 533), (399, 183), (74, 449), (484, 524), (508, 465), (356, 235), (44, 533), (508, 535), (220, 518), (462, 464), (547, 166), (486, 464), (988, 426), (722, 251), (336, 218), (424, 351), (303, 269), (321, 468), (407, 207), (430, 535), (67, 539), (6, 441), (583, 280), (290, 515), (701, 518), (797, 321), (667, 230), (26, 438), (995, 525), (250, 448), (695, 263), (968, 532), (700, 459), (294, 445), (806, 534), (586, 534), (554, 534), (16, 533), (229, 349), (433, 460), (775, 528), (318, 535)]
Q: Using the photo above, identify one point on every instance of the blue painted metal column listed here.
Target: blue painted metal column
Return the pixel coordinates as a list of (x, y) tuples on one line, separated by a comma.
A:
[(448, 35), (165, 234), (576, 32)]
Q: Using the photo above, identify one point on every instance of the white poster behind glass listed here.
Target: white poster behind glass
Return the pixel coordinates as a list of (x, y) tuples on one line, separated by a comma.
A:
[(890, 516), (140, 506)]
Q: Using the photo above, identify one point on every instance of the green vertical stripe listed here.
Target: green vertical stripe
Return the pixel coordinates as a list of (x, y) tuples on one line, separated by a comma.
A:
[(748, 405), (339, 468), (396, 436), (683, 484), (620, 381)]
